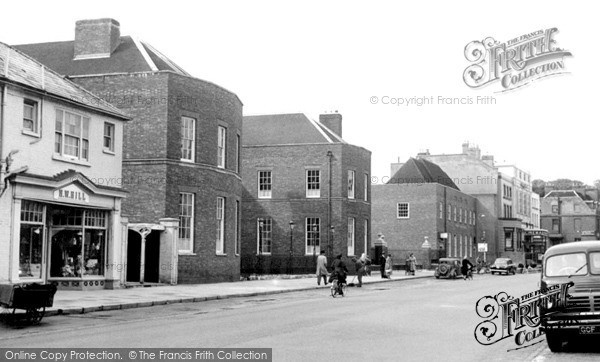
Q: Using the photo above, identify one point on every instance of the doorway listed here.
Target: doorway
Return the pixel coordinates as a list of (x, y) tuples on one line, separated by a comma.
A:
[(134, 252)]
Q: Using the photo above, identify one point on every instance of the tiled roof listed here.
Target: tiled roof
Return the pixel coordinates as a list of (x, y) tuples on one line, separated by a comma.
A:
[(285, 129), (126, 58), (19, 68), (567, 193), (420, 171)]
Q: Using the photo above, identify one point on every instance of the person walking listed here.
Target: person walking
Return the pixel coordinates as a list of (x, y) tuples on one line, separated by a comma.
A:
[(466, 266), (322, 268), (382, 265), (412, 264), (388, 266), (360, 265)]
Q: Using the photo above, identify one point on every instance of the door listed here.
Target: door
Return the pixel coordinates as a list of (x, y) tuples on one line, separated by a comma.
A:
[(152, 255), (134, 258)]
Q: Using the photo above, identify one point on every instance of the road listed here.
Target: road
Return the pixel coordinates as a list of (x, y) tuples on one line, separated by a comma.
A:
[(418, 320)]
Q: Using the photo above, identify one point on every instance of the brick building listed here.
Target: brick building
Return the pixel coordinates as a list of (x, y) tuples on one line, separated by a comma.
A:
[(59, 220), (181, 154), (421, 202), (305, 190), (570, 216), (504, 194)]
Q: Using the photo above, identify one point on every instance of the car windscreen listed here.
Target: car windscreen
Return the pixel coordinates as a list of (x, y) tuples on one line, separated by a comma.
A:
[(566, 265), (595, 262), (502, 262)]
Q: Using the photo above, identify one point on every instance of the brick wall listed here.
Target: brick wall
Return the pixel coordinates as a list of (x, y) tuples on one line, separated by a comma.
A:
[(154, 173), (288, 165)]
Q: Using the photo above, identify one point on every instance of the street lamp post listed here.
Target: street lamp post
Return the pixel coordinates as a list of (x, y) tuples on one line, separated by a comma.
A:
[(291, 246), (427, 245), (330, 246)]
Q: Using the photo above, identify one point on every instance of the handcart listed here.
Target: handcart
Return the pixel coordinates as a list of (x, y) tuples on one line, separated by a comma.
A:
[(33, 298)]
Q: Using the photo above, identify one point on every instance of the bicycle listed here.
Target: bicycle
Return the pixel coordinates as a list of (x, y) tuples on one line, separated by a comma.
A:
[(337, 289)]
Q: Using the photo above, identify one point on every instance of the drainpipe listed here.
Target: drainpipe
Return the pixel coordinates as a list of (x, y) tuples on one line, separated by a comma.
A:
[(2, 106), (329, 241)]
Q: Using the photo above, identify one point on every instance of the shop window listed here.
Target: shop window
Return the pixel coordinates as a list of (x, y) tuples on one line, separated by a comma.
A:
[(78, 242), (31, 238)]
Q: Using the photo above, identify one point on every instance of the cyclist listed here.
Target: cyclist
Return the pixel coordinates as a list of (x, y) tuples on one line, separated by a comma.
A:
[(466, 268), (339, 272)]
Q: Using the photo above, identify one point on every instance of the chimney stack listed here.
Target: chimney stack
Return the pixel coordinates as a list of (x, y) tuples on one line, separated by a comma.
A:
[(333, 121), (96, 38), (489, 159)]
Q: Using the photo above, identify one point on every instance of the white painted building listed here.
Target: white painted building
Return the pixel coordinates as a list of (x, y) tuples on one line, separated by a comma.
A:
[(60, 180)]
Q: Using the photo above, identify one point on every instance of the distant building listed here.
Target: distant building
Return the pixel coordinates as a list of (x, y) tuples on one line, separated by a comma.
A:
[(181, 160), (299, 173), (504, 193), (60, 167), (570, 216), (421, 202)]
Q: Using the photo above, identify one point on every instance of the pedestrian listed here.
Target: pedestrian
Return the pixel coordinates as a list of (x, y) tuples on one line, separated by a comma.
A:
[(412, 264), (382, 265), (466, 267), (360, 265), (339, 270), (367, 262), (322, 268), (388, 266)]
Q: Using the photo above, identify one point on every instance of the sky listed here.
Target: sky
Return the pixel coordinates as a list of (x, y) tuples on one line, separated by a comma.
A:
[(352, 57)]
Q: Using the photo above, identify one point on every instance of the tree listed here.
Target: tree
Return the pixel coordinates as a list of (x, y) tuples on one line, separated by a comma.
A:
[(539, 187)]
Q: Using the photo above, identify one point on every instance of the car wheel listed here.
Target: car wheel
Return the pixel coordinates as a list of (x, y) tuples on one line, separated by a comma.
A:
[(554, 341), (493, 273)]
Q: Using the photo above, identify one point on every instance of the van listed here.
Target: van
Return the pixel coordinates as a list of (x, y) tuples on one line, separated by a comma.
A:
[(574, 312)]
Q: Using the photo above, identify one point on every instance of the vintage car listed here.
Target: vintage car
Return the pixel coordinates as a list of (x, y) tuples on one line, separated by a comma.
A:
[(448, 268), (570, 286), (503, 266)]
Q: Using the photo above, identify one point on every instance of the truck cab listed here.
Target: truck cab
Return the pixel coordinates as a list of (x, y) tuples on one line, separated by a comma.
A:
[(574, 312)]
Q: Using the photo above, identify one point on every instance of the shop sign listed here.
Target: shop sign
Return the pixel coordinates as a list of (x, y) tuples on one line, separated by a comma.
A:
[(71, 193)]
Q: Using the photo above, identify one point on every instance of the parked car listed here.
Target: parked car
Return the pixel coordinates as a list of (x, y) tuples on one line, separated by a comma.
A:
[(503, 266), (574, 269), (448, 268)]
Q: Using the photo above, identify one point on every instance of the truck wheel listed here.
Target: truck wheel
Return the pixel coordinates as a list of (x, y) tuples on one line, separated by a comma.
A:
[(554, 341)]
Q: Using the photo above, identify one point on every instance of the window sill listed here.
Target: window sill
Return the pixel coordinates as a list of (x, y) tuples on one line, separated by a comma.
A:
[(70, 160), (186, 160), (30, 133), (313, 197), (108, 152), (221, 254), (264, 197), (263, 254), (190, 253)]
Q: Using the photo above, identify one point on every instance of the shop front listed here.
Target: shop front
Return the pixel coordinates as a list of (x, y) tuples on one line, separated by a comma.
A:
[(64, 230)]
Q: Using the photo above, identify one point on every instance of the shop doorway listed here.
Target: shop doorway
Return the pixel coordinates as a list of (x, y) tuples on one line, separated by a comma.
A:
[(150, 247)]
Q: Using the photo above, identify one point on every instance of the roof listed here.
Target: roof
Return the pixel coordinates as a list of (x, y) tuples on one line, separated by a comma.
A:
[(567, 193), (421, 171), (130, 56), (299, 129), (576, 246), (19, 68)]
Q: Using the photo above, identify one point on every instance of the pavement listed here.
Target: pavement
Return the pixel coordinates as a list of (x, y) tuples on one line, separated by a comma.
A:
[(78, 302)]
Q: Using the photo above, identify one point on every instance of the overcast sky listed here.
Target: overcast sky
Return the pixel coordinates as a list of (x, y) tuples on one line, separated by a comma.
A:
[(317, 56)]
